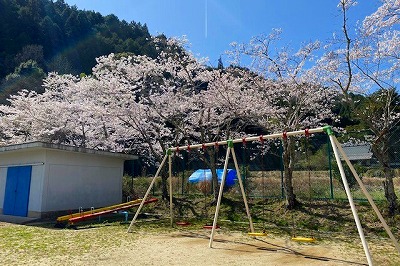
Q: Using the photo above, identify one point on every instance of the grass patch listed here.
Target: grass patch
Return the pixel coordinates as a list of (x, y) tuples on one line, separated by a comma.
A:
[(31, 243), (325, 220)]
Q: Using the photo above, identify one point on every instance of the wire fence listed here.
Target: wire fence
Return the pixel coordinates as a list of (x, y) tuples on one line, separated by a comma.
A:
[(314, 170)]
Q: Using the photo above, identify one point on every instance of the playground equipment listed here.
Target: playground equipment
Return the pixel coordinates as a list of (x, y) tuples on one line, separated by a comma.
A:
[(230, 153), (257, 233), (211, 227), (263, 232), (80, 216), (182, 223), (297, 238), (303, 239)]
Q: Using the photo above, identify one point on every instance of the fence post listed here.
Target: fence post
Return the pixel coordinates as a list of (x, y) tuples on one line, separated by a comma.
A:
[(330, 167)]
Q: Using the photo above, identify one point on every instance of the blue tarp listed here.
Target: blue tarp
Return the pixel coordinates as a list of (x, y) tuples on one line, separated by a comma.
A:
[(202, 175)]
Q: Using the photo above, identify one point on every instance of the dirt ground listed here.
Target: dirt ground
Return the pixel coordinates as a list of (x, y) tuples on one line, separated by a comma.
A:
[(113, 246), (192, 248)]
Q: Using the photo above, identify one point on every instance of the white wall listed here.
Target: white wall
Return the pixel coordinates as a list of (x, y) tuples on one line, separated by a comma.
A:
[(75, 180), (36, 190), (74, 186), (21, 157)]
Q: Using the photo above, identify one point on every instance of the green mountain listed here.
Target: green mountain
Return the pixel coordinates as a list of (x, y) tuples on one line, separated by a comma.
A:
[(39, 36)]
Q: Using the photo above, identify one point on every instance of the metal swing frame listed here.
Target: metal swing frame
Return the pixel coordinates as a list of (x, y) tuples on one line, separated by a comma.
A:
[(338, 152), (295, 237), (262, 233)]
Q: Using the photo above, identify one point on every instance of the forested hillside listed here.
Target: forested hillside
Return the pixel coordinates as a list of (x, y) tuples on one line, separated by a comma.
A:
[(39, 36)]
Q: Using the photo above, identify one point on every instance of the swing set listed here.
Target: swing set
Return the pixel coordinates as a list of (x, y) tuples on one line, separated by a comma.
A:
[(230, 154)]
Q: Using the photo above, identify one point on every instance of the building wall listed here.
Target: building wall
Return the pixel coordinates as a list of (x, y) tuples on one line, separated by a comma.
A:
[(74, 180)]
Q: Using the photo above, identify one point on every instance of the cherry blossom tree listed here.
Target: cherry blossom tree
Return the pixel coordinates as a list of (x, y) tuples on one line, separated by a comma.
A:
[(367, 61), (133, 104), (293, 95), (379, 45), (144, 105), (221, 111), (148, 100), (381, 114), (335, 68), (380, 65), (64, 113)]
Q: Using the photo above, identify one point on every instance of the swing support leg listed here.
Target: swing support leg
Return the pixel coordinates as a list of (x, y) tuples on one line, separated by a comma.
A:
[(364, 190), (350, 198), (171, 211), (242, 190), (221, 188), (147, 193)]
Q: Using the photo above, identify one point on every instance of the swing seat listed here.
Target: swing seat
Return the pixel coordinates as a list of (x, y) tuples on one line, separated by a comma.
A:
[(256, 233), (182, 223), (303, 239), (210, 227)]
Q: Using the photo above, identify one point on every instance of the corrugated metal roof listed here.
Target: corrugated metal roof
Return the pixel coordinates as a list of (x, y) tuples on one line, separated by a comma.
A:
[(358, 152)]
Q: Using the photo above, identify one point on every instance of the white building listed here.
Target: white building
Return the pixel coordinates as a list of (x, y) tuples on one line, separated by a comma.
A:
[(39, 178)]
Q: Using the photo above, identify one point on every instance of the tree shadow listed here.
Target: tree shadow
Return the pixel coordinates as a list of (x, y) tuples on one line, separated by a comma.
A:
[(265, 246)]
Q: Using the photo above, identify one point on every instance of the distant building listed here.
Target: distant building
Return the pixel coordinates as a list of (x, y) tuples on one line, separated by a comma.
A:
[(360, 153)]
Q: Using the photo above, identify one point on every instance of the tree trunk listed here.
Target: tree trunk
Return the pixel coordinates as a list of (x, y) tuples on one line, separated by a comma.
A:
[(390, 193), (380, 149), (291, 201), (164, 185)]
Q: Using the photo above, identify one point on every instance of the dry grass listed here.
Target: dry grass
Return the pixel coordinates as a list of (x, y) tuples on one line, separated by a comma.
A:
[(307, 184)]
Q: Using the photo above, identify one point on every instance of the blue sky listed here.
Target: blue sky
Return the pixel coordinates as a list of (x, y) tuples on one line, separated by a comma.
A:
[(211, 25)]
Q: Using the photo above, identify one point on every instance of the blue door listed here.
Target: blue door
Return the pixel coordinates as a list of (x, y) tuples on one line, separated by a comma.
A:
[(17, 190)]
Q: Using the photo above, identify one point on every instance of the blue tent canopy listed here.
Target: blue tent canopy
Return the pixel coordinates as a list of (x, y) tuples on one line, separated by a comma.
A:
[(202, 175)]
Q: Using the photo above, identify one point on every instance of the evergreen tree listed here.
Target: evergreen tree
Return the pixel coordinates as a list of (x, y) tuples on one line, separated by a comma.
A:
[(220, 64), (62, 38)]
